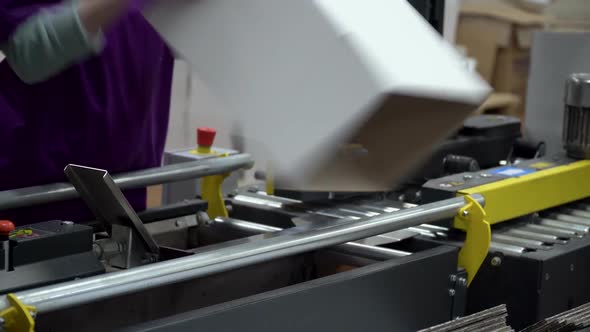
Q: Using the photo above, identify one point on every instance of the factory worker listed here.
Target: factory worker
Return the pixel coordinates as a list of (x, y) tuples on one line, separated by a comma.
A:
[(84, 82)]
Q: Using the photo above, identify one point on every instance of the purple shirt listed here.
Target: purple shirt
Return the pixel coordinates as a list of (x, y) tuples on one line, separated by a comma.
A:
[(109, 112)]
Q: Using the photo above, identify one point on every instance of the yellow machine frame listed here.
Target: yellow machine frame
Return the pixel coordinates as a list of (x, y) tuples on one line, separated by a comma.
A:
[(544, 189)]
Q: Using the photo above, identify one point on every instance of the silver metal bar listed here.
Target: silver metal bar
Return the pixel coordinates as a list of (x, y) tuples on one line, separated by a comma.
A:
[(570, 218), (351, 248), (579, 229), (546, 238), (508, 239), (285, 243), (23, 197), (506, 248), (583, 205), (562, 233), (574, 211)]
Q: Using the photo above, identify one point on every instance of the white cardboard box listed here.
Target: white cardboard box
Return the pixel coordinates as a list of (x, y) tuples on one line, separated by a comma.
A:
[(302, 79)]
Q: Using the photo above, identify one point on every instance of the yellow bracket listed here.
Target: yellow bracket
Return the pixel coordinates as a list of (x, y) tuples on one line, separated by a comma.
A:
[(472, 218), (212, 193), (19, 317), (270, 180)]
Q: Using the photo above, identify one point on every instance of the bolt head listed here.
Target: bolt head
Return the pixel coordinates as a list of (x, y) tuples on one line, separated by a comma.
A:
[(547, 276), (572, 267), (496, 261), (452, 292), (453, 278), (203, 218), (463, 281), (465, 213)]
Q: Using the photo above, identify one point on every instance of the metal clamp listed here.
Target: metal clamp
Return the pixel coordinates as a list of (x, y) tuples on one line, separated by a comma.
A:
[(109, 205), (18, 317), (472, 218)]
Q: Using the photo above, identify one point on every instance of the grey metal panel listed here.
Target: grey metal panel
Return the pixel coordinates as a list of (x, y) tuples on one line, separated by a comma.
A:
[(554, 56), (400, 295)]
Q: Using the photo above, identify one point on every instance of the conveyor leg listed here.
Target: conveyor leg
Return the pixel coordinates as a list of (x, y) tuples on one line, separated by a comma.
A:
[(478, 237)]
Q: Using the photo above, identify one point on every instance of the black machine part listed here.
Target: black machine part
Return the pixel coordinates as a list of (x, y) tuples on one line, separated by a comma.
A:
[(528, 149), (49, 252), (403, 294), (432, 10), (458, 164)]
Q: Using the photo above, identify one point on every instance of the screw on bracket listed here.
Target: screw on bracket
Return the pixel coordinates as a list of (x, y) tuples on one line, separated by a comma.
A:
[(463, 281), (496, 261)]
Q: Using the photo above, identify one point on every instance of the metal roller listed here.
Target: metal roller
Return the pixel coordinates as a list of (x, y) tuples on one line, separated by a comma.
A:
[(571, 219), (527, 234), (248, 228), (31, 196), (531, 244), (579, 229), (506, 248), (561, 233), (574, 211)]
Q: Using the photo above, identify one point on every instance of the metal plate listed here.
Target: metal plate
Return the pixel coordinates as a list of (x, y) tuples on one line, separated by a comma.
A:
[(107, 202)]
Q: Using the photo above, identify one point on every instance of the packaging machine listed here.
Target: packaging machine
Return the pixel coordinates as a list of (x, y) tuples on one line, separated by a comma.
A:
[(215, 269), (266, 262)]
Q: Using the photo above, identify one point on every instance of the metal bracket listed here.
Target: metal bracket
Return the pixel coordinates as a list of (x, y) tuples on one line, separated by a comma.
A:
[(212, 193), (477, 241), (109, 205), (18, 317), (458, 293)]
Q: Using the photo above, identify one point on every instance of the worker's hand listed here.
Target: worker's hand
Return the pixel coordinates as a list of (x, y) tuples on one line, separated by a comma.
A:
[(96, 15)]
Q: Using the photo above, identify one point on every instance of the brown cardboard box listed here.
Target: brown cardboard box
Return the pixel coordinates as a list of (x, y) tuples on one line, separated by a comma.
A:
[(500, 103), (498, 35)]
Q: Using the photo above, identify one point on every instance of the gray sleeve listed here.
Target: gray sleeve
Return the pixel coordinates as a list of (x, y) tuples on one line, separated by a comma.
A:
[(49, 42)]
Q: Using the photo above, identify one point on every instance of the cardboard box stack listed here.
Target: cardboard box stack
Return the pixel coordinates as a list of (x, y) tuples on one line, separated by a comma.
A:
[(498, 34)]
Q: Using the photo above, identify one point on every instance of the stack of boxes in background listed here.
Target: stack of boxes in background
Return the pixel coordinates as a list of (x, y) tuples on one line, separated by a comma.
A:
[(499, 35)]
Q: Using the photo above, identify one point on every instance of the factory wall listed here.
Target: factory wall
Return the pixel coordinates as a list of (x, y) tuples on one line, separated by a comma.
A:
[(192, 106)]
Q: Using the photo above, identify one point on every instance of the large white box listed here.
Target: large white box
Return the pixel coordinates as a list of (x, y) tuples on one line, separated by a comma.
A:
[(304, 80)]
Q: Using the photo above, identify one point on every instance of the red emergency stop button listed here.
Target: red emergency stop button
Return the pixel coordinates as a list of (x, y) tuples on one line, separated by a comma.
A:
[(205, 136), (6, 227)]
